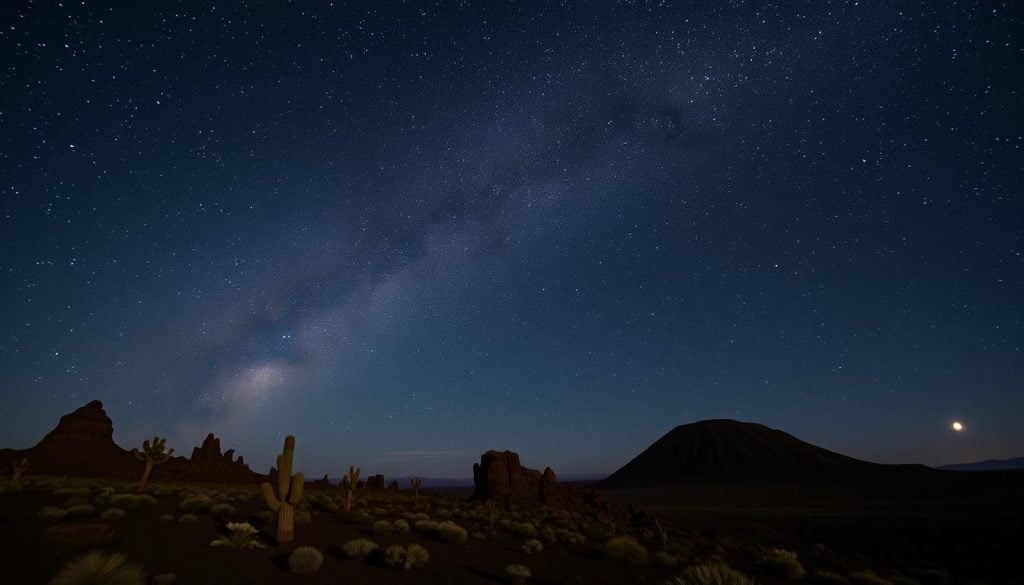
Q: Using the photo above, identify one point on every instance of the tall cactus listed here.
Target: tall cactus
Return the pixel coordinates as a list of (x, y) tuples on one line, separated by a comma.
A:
[(152, 454), (349, 484), (289, 492), (416, 483)]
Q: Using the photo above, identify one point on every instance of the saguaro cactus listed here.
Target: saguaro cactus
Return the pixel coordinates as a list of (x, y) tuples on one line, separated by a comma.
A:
[(349, 483), (152, 454), (289, 492), (416, 483)]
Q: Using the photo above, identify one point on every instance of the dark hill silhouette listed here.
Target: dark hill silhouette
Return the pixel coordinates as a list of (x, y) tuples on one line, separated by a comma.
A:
[(82, 444), (725, 449), (987, 465)]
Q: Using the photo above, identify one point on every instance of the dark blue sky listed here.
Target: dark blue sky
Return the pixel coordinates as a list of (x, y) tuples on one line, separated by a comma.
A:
[(409, 233)]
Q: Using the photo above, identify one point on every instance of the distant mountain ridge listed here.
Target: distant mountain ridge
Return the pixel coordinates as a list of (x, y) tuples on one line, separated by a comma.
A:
[(723, 449), (986, 465)]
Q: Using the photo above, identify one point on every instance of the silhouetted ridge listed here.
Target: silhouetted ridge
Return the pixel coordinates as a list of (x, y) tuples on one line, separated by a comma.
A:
[(725, 448)]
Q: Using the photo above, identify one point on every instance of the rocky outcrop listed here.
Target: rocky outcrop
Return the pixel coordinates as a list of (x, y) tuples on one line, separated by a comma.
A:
[(81, 444), (322, 482), (393, 486), (207, 463), (375, 482), (500, 475)]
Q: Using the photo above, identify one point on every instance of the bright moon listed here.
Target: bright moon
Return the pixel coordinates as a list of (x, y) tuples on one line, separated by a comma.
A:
[(958, 426)]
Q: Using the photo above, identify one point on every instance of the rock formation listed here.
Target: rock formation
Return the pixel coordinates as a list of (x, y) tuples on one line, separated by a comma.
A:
[(393, 486), (375, 482), (500, 475), (82, 444), (322, 482)]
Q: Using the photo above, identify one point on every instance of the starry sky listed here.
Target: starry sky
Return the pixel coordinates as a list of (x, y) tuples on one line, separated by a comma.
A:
[(411, 232)]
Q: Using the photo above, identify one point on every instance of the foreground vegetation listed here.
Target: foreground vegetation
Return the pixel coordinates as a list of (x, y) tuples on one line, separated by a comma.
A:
[(400, 533)]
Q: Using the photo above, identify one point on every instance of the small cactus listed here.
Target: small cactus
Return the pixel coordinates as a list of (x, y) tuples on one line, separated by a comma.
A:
[(416, 483), (289, 492), (152, 454), (349, 484)]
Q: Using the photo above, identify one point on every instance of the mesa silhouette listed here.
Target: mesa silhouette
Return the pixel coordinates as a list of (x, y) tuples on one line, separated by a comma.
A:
[(730, 450)]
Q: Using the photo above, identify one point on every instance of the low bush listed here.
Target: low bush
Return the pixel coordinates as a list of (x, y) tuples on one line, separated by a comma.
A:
[(449, 531), (188, 519), (113, 514), (193, 504), (82, 510), (305, 559), (406, 557), (100, 567), (711, 574), (626, 549), (53, 513), (222, 510), (532, 546), (240, 535), (783, 563), (358, 548)]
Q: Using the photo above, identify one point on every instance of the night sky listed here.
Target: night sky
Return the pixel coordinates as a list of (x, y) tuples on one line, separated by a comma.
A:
[(409, 233)]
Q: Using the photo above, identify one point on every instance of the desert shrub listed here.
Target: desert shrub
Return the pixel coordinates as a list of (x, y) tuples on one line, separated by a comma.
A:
[(568, 536), (358, 548), (76, 502), (783, 563), (193, 504), (81, 510), (426, 526), (532, 546), (867, 577), (524, 529), (382, 527), (519, 573), (419, 517), (400, 526), (663, 559), (302, 516), (167, 518), (188, 519), (73, 492), (305, 559), (240, 535), (449, 531), (222, 510), (98, 567), (267, 516), (130, 501), (711, 574), (113, 514), (53, 513), (406, 557), (364, 518), (627, 549)]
